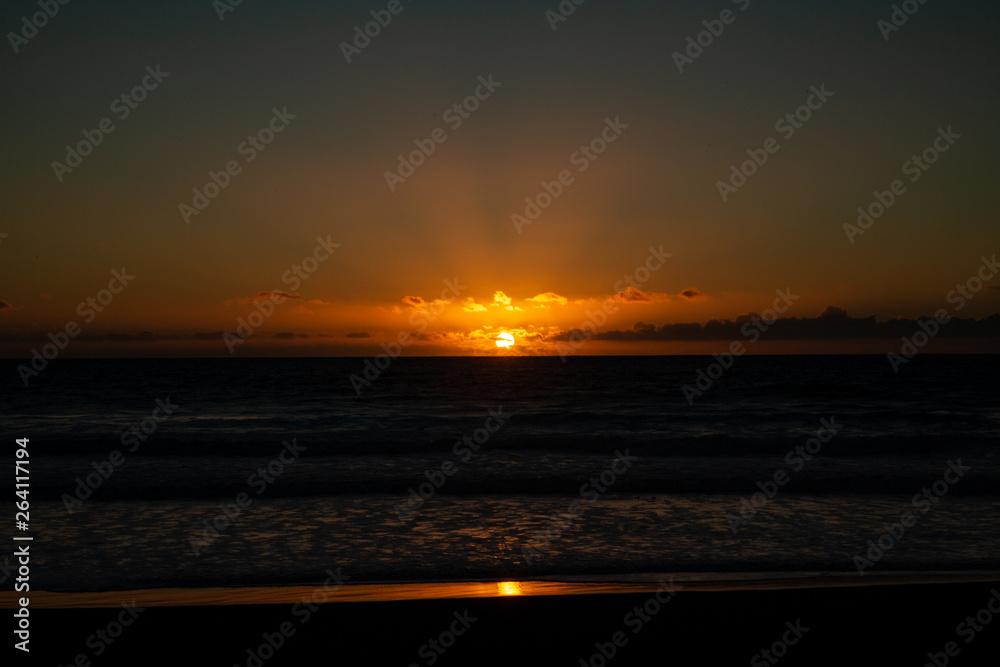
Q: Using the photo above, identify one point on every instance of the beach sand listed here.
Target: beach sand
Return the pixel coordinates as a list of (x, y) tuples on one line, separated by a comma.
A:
[(895, 618)]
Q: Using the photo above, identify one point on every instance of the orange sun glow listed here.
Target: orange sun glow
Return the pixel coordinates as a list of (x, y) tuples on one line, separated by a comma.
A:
[(509, 587)]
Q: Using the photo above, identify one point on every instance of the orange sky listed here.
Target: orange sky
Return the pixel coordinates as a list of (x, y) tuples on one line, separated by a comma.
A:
[(592, 121)]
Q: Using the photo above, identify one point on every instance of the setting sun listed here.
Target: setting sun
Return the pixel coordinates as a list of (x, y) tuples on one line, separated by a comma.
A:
[(505, 340)]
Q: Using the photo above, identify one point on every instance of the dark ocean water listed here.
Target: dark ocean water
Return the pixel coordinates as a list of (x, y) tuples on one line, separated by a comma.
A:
[(530, 467)]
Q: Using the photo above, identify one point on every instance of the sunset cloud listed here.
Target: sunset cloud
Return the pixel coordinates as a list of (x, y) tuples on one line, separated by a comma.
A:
[(265, 295), (502, 300), (632, 295), (547, 300), (414, 301), (419, 304), (832, 324), (692, 294), (469, 305), (528, 340)]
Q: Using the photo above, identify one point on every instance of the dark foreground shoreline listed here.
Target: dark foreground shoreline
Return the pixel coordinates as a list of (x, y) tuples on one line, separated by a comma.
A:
[(848, 625)]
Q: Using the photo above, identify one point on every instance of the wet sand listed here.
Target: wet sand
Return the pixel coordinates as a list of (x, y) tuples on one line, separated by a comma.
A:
[(898, 618)]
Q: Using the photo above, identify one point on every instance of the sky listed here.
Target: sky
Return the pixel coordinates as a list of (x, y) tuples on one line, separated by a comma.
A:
[(276, 182)]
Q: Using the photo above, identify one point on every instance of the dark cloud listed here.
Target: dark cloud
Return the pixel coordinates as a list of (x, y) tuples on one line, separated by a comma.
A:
[(833, 311), (142, 336), (210, 335), (693, 294), (832, 324), (414, 301), (275, 295), (634, 295)]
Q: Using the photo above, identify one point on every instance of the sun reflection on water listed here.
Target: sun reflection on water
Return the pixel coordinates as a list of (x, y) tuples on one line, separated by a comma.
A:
[(509, 587)]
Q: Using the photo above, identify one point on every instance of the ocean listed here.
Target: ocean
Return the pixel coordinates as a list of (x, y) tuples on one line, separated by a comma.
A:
[(245, 471)]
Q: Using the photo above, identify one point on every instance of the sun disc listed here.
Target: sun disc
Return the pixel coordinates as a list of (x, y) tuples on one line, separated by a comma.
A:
[(505, 340)]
